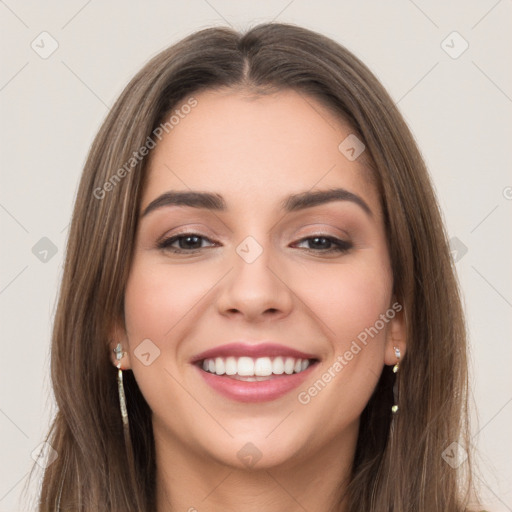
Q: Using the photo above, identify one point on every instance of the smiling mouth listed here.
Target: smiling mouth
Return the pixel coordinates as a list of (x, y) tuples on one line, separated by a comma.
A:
[(249, 369)]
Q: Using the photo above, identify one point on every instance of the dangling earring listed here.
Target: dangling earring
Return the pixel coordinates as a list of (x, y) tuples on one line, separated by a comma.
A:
[(120, 387), (118, 351), (394, 409)]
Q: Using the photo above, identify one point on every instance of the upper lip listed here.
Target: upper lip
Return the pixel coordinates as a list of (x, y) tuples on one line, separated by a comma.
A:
[(241, 349)]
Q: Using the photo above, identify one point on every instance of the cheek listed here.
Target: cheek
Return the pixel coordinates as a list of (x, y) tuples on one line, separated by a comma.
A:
[(159, 296), (159, 301), (348, 299)]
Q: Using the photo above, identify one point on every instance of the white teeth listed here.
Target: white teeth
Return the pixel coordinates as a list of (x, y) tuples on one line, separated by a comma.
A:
[(245, 367), (220, 368), (263, 366), (288, 365), (231, 366), (249, 367), (278, 366)]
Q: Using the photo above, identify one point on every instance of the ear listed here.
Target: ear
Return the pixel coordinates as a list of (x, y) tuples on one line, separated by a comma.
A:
[(396, 334), (118, 336)]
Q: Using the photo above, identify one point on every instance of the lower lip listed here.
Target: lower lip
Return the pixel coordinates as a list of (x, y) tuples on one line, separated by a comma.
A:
[(262, 391)]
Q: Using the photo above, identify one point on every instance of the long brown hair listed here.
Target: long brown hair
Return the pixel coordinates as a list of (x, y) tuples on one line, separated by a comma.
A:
[(399, 466)]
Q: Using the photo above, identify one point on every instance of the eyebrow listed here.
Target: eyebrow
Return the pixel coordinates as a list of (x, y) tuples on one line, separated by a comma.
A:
[(292, 203)]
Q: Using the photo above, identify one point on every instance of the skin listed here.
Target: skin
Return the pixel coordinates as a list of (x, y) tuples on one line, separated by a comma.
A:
[(255, 151)]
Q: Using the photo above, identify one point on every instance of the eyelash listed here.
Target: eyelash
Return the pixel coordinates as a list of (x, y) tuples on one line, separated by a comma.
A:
[(340, 246)]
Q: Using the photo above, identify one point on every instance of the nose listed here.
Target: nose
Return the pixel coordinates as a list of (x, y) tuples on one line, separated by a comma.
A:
[(256, 290)]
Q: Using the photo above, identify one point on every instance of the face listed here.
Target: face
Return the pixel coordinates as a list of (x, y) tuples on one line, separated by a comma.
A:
[(264, 283)]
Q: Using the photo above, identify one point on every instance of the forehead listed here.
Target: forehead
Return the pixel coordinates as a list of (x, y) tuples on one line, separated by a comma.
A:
[(254, 148)]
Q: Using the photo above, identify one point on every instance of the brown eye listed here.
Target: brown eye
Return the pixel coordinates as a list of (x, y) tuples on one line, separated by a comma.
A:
[(186, 243), (326, 244)]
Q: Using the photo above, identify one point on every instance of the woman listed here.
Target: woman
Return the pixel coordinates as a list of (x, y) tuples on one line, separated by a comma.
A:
[(258, 309)]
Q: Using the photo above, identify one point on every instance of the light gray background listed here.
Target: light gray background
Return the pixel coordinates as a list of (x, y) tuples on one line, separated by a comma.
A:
[(458, 108)]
